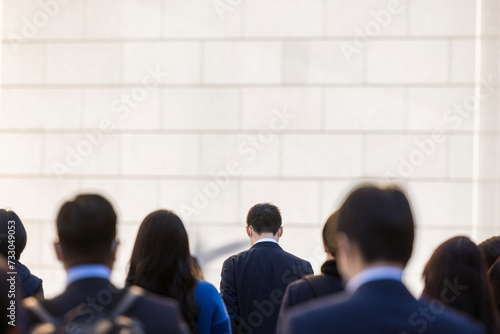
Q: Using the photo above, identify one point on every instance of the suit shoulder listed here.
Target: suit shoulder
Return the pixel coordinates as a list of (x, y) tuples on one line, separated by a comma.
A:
[(450, 319), (149, 299), (297, 290), (294, 257), (298, 284), (324, 305), (237, 257), (301, 263), (312, 315), (159, 314)]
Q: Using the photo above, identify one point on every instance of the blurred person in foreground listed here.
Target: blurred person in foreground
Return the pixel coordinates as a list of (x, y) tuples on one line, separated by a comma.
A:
[(161, 263), (375, 235), (86, 228), (254, 281), (456, 276), (312, 287), (13, 233)]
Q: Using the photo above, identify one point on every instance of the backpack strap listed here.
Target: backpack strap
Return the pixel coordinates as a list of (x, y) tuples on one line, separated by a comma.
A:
[(34, 305), (322, 285), (312, 283), (127, 301), (131, 296)]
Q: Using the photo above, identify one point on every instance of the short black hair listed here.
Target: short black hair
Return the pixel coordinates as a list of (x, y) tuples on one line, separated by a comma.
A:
[(329, 231), (86, 227), (18, 231), (264, 218), (380, 222)]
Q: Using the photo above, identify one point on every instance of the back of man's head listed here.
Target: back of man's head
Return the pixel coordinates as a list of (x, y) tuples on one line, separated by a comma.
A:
[(264, 218), (380, 222), (86, 227)]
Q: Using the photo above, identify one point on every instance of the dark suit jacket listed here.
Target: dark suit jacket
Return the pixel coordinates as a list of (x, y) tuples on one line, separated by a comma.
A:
[(377, 307), (253, 283), (312, 287), (158, 315)]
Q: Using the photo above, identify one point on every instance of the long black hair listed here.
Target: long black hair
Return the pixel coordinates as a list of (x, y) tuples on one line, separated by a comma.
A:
[(459, 261), (161, 262)]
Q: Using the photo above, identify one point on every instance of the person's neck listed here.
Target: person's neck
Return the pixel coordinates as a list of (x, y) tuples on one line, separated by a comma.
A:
[(256, 237), (375, 272), (88, 264), (87, 270), (363, 266), (73, 264)]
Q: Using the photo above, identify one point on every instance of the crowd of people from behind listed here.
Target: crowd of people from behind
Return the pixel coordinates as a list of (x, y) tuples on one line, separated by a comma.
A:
[(368, 242)]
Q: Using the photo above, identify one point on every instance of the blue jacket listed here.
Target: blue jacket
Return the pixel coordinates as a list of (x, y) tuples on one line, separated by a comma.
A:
[(212, 316)]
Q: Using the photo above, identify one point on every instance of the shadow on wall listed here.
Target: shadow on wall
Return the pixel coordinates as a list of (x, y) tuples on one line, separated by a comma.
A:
[(205, 257)]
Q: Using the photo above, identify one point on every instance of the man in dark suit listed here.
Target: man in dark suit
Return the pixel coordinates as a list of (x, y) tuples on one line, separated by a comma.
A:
[(375, 236), (312, 287), (86, 228), (254, 281)]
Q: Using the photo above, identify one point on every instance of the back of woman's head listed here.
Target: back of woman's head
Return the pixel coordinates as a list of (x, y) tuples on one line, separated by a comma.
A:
[(11, 225), (491, 250), (494, 276), (161, 261), (456, 275)]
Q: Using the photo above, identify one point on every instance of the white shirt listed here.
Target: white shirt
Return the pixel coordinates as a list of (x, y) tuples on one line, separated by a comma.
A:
[(266, 240), (77, 273), (374, 274)]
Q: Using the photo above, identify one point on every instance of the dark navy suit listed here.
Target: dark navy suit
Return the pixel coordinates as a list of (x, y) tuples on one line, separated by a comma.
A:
[(376, 307), (311, 287), (253, 283)]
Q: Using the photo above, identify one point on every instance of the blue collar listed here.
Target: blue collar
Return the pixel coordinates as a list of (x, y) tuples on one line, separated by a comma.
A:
[(77, 273), (266, 240), (374, 274)]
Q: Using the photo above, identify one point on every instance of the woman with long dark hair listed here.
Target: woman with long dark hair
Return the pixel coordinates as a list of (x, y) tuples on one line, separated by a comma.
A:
[(456, 276), (161, 263)]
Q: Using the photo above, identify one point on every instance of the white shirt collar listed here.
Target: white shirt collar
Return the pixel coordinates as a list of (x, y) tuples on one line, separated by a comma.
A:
[(374, 274), (77, 273), (266, 240)]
